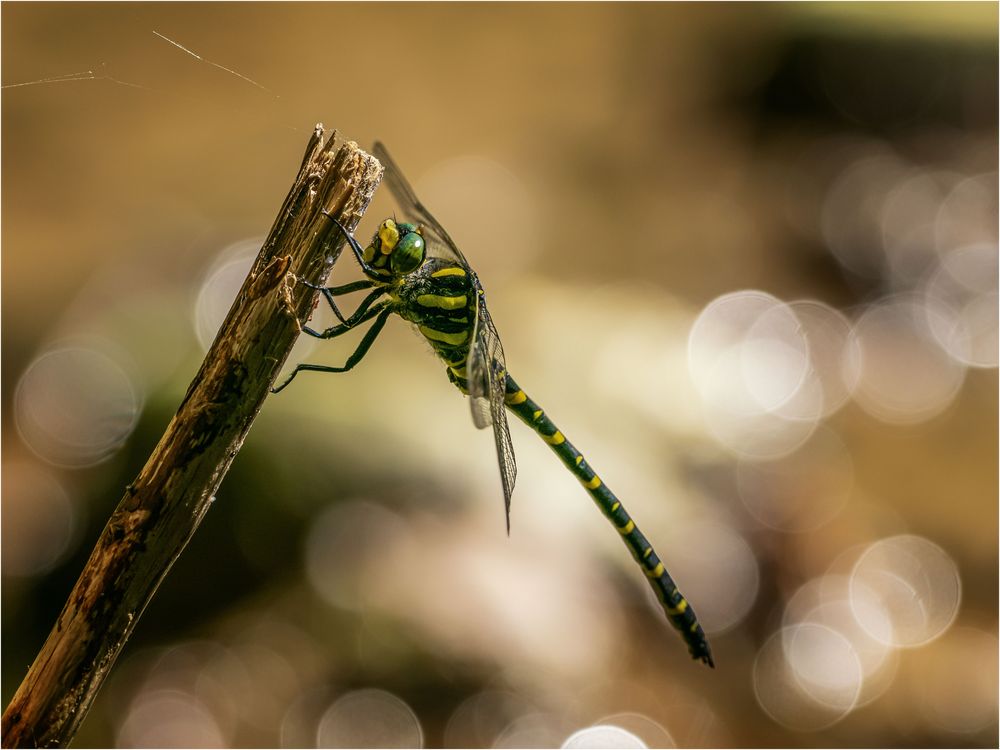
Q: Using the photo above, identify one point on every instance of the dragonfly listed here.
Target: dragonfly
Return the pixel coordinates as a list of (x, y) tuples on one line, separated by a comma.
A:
[(415, 270)]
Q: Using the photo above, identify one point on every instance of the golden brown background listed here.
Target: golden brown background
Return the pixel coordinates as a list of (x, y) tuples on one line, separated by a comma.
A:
[(610, 171)]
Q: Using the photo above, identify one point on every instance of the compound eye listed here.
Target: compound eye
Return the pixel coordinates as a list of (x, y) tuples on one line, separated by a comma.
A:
[(408, 254)]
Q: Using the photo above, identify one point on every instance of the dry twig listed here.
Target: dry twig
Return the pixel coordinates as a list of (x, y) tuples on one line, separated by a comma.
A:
[(164, 505)]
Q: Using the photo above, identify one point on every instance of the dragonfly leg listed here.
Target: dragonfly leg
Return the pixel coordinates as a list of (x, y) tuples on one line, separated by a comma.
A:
[(359, 353), (364, 312), (329, 292), (358, 252), (353, 286)]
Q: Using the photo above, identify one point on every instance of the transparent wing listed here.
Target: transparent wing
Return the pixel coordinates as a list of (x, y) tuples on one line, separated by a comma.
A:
[(487, 382), (486, 368), (413, 210)]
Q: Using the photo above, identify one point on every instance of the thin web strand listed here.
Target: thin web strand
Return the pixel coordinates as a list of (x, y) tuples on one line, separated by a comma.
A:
[(83, 75), (196, 56)]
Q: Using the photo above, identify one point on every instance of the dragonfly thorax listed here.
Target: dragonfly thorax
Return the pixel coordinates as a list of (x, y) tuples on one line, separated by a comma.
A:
[(396, 248), (440, 298)]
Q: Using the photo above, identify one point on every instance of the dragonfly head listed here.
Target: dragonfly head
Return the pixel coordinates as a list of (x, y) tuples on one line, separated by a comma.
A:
[(399, 247)]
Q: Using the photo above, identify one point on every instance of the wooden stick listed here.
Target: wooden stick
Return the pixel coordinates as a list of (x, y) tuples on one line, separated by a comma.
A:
[(164, 505)]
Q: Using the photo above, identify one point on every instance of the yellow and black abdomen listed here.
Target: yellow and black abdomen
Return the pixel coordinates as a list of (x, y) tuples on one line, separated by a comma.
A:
[(439, 299), (675, 606)]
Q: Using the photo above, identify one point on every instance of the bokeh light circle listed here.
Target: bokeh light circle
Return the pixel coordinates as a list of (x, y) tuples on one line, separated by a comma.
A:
[(778, 682), (964, 320), (651, 732), (602, 736), (169, 718), (763, 436), (40, 521), (530, 730), (490, 718), (852, 211), (825, 664), (748, 357), (774, 357), (968, 215), (909, 227), (218, 290), (902, 374), (826, 601), (75, 406), (917, 585), (369, 718), (767, 355), (341, 542), (828, 334)]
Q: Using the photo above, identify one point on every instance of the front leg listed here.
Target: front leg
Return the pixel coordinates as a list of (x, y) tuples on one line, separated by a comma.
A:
[(369, 271)]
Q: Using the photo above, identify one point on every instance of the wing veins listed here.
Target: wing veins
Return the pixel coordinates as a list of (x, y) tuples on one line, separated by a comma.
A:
[(486, 366)]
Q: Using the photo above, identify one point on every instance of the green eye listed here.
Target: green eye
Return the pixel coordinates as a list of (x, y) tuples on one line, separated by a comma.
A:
[(408, 253)]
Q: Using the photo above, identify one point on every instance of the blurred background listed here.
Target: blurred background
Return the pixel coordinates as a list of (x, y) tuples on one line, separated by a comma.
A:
[(745, 256)]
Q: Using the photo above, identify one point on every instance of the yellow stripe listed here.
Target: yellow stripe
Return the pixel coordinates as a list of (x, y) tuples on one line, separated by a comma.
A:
[(682, 605), (459, 371), (627, 528), (579, 460), (593, 484), (455, 271), (447, 338), (694, 625), (445, 303), (648, 552), (537, 415), (516, 398), (554, 439), (656, 572), (615, 507)]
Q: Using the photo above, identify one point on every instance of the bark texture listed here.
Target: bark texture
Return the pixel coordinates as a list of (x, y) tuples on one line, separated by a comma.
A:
[(163, 507)]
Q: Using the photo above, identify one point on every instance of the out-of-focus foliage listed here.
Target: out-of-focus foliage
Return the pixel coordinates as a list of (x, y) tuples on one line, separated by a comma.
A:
[(745, 256)]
